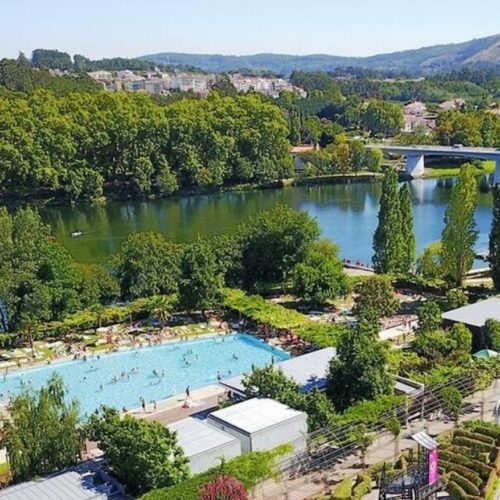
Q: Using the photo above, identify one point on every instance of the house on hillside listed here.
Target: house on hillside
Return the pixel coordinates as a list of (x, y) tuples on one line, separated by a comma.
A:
[(451, 105)]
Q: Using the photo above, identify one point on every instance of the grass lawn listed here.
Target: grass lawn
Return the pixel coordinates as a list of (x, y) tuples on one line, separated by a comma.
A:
[(449, 171)]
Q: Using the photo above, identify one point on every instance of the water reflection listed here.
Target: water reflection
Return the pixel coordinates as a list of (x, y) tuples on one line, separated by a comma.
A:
[(346, 213)]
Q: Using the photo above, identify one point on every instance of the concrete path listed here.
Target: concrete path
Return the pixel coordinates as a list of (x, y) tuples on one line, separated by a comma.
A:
[(316, 484)]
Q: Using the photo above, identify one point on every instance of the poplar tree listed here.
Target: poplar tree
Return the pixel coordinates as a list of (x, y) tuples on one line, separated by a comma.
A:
[(459, 234), (495, 238), (388, 239), (407, 229)]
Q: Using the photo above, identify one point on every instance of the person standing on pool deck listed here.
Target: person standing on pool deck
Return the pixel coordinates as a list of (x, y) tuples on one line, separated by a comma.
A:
[(188, 392)]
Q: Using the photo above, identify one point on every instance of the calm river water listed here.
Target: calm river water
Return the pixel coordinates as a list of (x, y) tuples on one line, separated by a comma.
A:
[(346, 213)]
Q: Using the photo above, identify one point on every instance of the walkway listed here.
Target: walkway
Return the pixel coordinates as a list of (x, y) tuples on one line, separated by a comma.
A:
[(316, 484)]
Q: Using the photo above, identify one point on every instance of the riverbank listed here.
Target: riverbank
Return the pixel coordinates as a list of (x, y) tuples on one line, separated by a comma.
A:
[(437, 171)]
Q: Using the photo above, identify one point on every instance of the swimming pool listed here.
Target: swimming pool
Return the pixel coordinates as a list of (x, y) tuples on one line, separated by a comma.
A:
[(177, 365)]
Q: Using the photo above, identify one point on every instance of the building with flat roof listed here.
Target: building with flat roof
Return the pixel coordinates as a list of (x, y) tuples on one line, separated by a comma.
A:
[(262, 424), (310, 372), (474, 316), (86, 481), (204, 445)]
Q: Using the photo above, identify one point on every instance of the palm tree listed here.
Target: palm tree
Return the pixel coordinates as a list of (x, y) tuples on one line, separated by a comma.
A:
[(98, 310), (161, 307)]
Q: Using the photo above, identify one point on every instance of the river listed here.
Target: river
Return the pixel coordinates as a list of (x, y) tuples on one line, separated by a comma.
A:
[(346, 213)]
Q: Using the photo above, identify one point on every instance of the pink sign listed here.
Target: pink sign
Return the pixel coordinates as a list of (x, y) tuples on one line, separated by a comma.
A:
[(433, 466)]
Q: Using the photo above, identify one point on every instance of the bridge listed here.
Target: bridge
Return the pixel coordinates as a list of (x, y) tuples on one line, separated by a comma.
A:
[(415, 155)]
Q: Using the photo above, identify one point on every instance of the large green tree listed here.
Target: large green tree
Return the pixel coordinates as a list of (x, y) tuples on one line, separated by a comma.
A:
[(144, 455), (407, 230), (201, 280), (459, 234), (388, 242), (320, 277), (147, 265), (272, 242), (375, 298), (41, 433), (360, 369), (494, 248), (383, 117)]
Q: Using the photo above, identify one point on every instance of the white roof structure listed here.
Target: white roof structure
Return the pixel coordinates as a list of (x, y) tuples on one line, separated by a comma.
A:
[(475, 314), (196, 437), (309, 371), (254, 415), (78, 483)]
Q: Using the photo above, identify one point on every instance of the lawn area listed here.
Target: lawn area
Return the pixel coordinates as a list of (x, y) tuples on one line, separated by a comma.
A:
[(449, 171)]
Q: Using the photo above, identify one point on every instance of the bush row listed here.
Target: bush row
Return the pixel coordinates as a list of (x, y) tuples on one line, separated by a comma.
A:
[(490, 489), (481, 468), (477, 436), (343, 490), (363, 486), (472, 476), (469, 487), (250, 469), (455, 491), (484, 428), (474, 444)]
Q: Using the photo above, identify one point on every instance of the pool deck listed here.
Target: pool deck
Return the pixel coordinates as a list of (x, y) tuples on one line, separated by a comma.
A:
[(172, 409)]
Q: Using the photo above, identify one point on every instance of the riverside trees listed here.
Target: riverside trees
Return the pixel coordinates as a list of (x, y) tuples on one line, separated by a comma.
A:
[(85, 144), (494, 249), (394, 239), (459, 234)]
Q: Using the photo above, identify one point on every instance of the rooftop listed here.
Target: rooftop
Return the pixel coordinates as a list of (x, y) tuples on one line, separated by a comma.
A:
[(254, 415), (82, 482), (309, 371), (475, 314), (195, 436)]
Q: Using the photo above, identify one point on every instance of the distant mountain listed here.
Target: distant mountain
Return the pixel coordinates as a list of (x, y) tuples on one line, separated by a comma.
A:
[(481, 53)]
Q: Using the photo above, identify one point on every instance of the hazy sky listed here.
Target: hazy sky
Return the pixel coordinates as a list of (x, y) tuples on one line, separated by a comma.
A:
[(128, 28)]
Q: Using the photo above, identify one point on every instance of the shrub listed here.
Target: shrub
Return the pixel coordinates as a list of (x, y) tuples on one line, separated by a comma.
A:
[(224, 488), (455, 491), (363, 486), (343, 489), (463, 471), (491, 486), (250, 469), (474, 444), (477, 436), (481, 468), (466, 485), (485, 428)]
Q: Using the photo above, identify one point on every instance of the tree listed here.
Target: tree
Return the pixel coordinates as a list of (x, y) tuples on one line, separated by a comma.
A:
[(41, 434), (320, 277), (459, 234), (360, 369), (492, 334), (223, 488), (407, 230), (161, 307), (454, 299), (201, 281), (494, 248), (452, 402), (362, 440), (388, 242), (460, 342), (272, 242), (376, 298), (429, 264), (383, 117), (147, 265), (429, 317), (373, 159), (393, 425), (273, 383), (143, 454)]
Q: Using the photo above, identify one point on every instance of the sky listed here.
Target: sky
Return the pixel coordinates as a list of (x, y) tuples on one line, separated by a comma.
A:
[(129, 28)]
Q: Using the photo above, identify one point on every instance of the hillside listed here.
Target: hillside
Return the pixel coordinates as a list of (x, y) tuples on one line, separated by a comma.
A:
[(480, 53)]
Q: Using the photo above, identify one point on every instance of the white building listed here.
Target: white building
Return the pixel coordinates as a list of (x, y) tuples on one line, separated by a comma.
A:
[(262, 424), (101, 76), (204, 445)]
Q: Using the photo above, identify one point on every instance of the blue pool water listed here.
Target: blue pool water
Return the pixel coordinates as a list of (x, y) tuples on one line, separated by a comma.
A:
[(194, 363)]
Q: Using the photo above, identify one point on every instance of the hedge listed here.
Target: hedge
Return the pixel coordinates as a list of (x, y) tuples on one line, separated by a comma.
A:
[(481, 468), (466, 485), (472, 476), (455, 491), (474, 444), (343, 490), (262, 311), (363, 486), (250, 469), (477, 436), (491, 486), (484, 428)]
